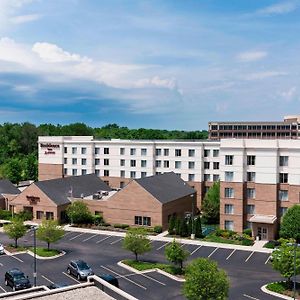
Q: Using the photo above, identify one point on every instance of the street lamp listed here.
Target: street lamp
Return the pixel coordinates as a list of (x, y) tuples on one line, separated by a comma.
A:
[(295, 250), (192, 233), (34, 255)]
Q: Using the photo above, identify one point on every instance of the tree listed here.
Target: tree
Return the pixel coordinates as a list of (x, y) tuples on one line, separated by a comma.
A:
[(13, 170), (290, 224), (15, 230), (283, 261), (175, 254), (137, 241), (31, 167), (177, 226), (211, 204), (205, 281), (183, 228), (172, 222), (49, 232), (198, 228), (78, 212)]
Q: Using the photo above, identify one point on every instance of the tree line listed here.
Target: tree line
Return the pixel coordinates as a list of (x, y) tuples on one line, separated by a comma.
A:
[(18, 142)]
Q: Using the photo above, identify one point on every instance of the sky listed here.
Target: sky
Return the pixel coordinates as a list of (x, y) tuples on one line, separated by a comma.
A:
[(166, 64)]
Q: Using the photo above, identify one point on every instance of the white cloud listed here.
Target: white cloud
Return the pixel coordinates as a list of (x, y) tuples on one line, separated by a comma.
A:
[(279, 8), (251, 56), (157, 82), (25, 18), (264, 75), (290, 94)]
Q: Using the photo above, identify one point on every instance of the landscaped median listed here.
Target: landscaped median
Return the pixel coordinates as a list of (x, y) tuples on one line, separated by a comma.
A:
[(281, 289)]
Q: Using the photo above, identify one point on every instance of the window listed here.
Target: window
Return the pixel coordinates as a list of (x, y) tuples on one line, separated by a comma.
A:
[(106, 172), (251, 176), (122, 173), (66, 150), (39, 215), (97, 172), (206, 189), (283, 195), (206, 153), (65, 171), (216, 177), (139, 220), (132, 163), (216, 165), (250, 209), (83, 161), (228, 209), (97, 150), (97, 161), (229, 176), (283, 161), (206, 177), (122, 162), (122, 184), (177, 164), (177, 152), (74, 150), (122, 151), (229, 193), (228, 225), (83, 172), (132, 151), (132, 174), (228, 160), (65, 160), (251, 193), (143, 151), (250, 160), (166, 164), (158, 152), (143, 163), (143, 174), (146, 221), (166, 152), (215, 153), (158, 163), (283, 177), (49, 215), (83, 150), (106, 150), (283, 210), (74, 161), (206, 165), (191, 177), (191, 165), (106, 162), (191, 152)]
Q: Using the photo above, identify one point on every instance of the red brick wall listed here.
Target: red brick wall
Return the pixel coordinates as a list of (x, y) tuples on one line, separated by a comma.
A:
[(50, 171)]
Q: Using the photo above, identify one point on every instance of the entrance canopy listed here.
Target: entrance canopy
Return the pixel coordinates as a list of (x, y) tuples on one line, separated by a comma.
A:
[(265, 219)]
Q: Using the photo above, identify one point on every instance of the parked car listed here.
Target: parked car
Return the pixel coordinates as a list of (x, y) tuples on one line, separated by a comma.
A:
[(1, 249), (17, 280), (57, 285), (79, 269), (110, 279)]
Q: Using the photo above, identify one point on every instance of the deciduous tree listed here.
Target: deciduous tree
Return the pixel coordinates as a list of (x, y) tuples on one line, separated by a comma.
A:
[(15, 230), (290, 224), (175, 254), (78, 212), (211, 204)]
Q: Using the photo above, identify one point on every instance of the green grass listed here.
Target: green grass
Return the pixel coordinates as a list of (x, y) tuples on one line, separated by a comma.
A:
[(277, 287), (219, 239), (142, 266), (44, 251)]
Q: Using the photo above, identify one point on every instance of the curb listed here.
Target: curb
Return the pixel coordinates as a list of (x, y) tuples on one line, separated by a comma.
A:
[(265, 290), (32, 254)]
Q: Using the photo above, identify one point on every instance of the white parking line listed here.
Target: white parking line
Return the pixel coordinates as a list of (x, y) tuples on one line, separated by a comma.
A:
[(1, 265), (68, 233), (144, 275), (90, 237), (164, 245), (76, 236), (212, 252), (121, 276), (196, 250), (249, 256), (249, 297), (182, 245), (103, 239), (269, 257), (17, 258), (230, 254), (47, 279), (118, 240), (3, 289), (71, 277)]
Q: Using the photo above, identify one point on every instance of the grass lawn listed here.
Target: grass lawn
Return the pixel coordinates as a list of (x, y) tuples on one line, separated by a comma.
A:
[(142, 266), (219, 239), (11, 248), (44, 251)]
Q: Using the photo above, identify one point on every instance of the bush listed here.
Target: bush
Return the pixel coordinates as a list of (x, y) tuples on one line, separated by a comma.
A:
[(5, 214), (158, 229), (248, 231), (121, 226), (24, 215), (272, 244), (246, 242), (277, 287), (97, 219)]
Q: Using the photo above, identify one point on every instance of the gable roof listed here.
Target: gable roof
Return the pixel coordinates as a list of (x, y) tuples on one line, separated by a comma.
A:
[(166, 187), (6, 187), (59, 190)]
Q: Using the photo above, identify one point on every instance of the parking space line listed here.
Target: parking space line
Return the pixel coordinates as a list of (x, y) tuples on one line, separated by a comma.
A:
[(17, 258), (249, 256), (3, 289), (250, 297), (182, 245), (118, 240), (103, 239), (89, 238), (1, 265), (230, 254), (144, 275), (68, 233), (164, 245), (71, 277), (196, 250), (269, 257), (122, 276), (212, 252), (76, 236), (47, 279)]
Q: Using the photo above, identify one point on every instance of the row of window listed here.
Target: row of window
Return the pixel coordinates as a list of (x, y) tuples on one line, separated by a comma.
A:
[(141, 220), (229, 209), (254, 127), (251, 194), (49, 215), (283, 160), (229, 175)]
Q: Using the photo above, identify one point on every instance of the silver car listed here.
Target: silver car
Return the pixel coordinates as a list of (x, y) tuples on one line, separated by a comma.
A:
[(1, 249), (79, 269)]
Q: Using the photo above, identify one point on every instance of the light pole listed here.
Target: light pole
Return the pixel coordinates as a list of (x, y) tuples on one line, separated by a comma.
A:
[(34, 256), (192, 233)]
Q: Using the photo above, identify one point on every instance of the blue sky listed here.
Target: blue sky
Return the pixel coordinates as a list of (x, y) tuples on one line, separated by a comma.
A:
[(169, 64)]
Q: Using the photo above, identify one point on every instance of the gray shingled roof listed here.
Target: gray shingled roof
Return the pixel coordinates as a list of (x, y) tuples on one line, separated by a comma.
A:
[(6, 187), (59, 190), (166, 187)]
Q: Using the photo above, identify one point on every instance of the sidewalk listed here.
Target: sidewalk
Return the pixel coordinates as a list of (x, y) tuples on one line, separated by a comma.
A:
[(257, 247)]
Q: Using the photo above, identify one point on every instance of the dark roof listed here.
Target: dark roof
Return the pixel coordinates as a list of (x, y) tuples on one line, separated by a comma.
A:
[(166, 187), (59, 190), (6, 187)]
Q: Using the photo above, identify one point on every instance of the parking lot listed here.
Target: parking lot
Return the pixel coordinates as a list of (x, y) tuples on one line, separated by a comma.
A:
[(248, 271)]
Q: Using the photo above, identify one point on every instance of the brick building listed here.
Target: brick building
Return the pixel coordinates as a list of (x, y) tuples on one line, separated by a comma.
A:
[(7, 193)]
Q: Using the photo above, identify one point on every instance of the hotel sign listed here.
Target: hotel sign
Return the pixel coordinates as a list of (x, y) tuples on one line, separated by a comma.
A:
[(49, 148), (33, 199)]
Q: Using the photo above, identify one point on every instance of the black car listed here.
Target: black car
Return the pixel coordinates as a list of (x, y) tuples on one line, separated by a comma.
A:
[(110, 279), (17, 280), (79, 269)]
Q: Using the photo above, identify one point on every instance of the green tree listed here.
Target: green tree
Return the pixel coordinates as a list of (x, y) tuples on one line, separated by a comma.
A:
[(137, 241), (290, 224), (78, 212), (171, 227), (184, 232), (177, 226), (15, 230), (283, 261), (205, 281), (175, 254), (211, 204), (31, 167), (13, 170), (198, 228), (49, 232)]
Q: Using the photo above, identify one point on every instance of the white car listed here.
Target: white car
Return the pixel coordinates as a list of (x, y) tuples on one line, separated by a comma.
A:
[(1, 249)]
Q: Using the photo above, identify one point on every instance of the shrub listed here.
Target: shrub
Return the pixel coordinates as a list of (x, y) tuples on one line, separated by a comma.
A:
[(158, 229), (24, 215), (246, 242), (219, 232), (121, 226), (5, 214), (248, 231), (277, 287), (97, 219)]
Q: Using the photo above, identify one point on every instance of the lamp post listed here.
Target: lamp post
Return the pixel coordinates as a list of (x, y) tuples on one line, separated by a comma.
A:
[(34, 255), (192, 233)]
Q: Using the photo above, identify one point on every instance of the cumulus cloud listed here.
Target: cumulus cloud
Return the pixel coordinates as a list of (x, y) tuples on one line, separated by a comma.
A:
[(279, 8), (251, 56)]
